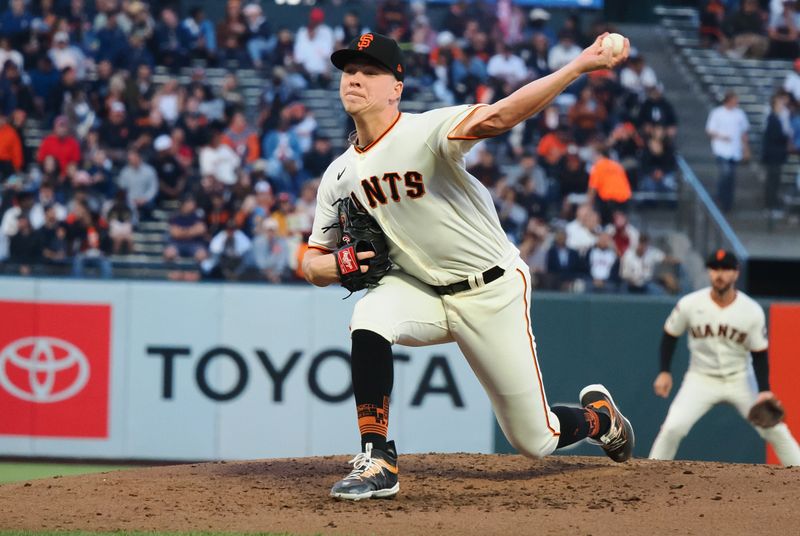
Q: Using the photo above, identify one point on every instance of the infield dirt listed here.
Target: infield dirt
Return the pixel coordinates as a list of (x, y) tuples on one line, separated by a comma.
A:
[(458, 494)]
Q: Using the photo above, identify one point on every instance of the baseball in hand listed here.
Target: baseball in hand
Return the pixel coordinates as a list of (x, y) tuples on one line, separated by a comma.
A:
[(615, 42)]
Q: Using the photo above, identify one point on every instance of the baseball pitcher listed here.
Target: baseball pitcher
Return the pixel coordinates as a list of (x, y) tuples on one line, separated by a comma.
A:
[(452, 275)]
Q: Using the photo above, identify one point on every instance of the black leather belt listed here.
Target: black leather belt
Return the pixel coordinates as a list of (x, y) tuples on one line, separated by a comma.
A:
[(488, 276)]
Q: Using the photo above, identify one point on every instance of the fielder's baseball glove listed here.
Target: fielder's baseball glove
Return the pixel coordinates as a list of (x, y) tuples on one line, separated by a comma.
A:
[(358, 231), (766, 413)]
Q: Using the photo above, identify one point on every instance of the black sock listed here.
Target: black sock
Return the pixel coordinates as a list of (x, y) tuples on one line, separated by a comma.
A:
[(579, 423), (372, 371)]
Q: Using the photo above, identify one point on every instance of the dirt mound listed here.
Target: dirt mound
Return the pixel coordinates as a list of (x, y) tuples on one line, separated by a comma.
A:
[(440, 494)]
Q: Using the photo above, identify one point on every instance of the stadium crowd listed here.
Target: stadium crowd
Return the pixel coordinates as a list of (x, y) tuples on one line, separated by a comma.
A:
[(240, 184), (756, 30)]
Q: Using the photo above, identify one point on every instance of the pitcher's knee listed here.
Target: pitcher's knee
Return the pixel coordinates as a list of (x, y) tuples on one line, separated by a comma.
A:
[(534, 447)]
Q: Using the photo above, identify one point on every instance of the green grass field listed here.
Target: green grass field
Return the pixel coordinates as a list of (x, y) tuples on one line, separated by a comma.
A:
[(17, 471)]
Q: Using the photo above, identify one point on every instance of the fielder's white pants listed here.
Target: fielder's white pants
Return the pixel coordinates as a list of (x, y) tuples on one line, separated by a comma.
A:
[(698, 394), (492, 326)]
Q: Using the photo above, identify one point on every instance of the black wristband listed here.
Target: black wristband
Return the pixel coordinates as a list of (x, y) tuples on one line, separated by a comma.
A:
[(761, 368), (668, 343)]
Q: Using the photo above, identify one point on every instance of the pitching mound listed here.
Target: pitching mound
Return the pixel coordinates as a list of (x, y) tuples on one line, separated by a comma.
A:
[(440, 494)]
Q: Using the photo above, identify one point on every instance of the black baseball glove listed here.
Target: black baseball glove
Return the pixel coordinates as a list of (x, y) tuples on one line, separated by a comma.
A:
[(358, 231), (766, 413)]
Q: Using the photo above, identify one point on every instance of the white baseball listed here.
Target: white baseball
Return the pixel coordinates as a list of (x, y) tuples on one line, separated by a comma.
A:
[(615, 42)]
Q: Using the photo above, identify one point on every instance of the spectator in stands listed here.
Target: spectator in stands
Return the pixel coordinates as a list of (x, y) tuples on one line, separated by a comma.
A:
[(170, 49), (305, 207), (140, 181), (513, 216), (317, 160), (259, 39), (120, 218), (271, 252), (15, 94), (242, 139), (25, 247), (581, 232), (16, 23), (552, 148), (602, 262), (281, 148), (232, 29), (7, 52), (774, 150), (746, 31), (112, 42), (53, 236), (728, 127), (486, 170), (117, 133), (142, 26), (537, 55), (658, 163), (539, 25), (507, 66), (638, 265), (87, 241), (217, 214), (312, 49), (609, 187), (304, 126), (637, 76), (534, 191), (60, 145), (586, 116), (11, 156), (230, 254), (657, 110), (711, 18), (533, 250), (44, 79), (571, 175), (186, 238), (622, 232), (564, 51), (171, 174), (219, 160), (791, 84), (350, 28), (198, 35), (564, 265), (783, 33), (64, 55), (393, 19)]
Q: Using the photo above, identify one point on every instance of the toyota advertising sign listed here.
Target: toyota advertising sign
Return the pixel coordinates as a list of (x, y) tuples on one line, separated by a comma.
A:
[(141, 370), (54, 369)]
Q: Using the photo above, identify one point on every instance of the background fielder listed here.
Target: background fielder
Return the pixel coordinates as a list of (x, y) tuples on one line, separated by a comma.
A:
[(725, 327)]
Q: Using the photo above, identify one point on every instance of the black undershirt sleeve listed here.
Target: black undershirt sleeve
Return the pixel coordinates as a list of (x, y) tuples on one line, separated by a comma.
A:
[(761, 368), (668, 343)]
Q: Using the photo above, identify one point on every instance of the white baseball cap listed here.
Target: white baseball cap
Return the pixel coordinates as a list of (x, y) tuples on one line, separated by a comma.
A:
[(162, 143)]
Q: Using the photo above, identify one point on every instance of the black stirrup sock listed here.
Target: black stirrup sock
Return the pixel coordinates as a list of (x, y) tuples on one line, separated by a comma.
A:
[(373, 375)]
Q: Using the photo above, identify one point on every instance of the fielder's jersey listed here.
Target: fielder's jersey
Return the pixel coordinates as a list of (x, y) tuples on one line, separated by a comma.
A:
[(720, 338), (440, 221)]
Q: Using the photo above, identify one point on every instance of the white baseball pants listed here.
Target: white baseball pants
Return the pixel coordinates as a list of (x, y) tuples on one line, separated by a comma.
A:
[(697, 395), (492, 326)]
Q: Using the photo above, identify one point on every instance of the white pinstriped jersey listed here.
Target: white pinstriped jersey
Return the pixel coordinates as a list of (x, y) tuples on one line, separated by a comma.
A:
[(440, 221), (720, 338)]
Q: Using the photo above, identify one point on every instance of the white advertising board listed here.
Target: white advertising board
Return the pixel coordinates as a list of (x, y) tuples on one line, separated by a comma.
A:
[(170, 371)]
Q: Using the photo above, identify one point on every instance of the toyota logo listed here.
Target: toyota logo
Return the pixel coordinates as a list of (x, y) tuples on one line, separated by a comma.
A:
[(40, 361)]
